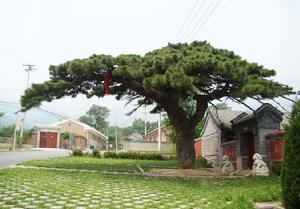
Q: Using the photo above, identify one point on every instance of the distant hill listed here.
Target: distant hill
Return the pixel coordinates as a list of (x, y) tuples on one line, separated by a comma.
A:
[(32, 118)]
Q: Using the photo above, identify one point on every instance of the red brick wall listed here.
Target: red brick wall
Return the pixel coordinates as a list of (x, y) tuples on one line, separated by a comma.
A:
[(80, 142), (32, 140), (198, 147), (276, 149), (276, 142), (230, 152), (64, 143)]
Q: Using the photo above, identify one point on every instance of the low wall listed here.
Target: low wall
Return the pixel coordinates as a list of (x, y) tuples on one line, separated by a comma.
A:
[(32, 141), (149, 146), (5, 147), (198, 147)]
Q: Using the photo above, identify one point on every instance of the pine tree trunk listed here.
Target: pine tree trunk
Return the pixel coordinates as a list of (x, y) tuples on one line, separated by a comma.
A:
[(185, 132), (185, 147)]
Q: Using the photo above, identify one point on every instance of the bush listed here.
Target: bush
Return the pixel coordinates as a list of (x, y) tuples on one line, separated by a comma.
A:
[(134, 155), (290, 173), (168, 157), (201, 162), (77, 152), (110, 155), (95, 153)]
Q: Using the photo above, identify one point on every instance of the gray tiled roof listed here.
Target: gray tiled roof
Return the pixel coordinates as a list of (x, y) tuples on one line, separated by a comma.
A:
[(223, 117)]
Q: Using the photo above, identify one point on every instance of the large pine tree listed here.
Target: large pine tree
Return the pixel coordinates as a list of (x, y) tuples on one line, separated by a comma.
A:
[(168, 77)]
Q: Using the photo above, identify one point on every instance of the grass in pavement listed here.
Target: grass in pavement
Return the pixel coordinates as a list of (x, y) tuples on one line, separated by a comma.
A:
[(120, 165), (26, 188)]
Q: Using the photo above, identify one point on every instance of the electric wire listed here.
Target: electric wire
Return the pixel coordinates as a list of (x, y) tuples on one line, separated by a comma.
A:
[(205, 20), (184, 28)]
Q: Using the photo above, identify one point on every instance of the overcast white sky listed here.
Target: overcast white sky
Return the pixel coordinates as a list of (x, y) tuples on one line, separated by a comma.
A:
[(54, 31)]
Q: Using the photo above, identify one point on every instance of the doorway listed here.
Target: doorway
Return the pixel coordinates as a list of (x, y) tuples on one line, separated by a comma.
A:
[(250, 148), (48, 139)]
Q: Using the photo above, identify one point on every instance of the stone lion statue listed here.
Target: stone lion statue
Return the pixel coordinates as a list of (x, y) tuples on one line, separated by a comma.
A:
[(259, 167), (227, 165)]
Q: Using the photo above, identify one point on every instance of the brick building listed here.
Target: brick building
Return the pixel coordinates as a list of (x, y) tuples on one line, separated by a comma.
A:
[(80, 135)]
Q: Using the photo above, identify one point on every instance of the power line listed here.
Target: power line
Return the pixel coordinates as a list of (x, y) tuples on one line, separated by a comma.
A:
[(7, 102), (186, 19), (206, 19), (217, 19), (203, 15), (193, 19), (34, 108), (53, 113)]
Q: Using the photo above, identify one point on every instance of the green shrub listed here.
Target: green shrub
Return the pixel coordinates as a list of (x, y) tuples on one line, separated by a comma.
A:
[(168, 157), (95, 153), (290, 173), (134, 155), (201, 162), (110, 155), (77, 152)]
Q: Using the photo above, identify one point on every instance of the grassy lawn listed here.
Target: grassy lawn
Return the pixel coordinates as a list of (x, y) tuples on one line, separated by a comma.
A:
[(27, 188), (90, 163)]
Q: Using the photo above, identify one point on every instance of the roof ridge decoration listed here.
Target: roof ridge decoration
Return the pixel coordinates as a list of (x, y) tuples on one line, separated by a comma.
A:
[(256, 113), (217, 113), (239, 117)]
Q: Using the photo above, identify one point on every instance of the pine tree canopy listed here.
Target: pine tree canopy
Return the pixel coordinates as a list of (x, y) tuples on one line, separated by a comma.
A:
[(170, 74), (180, 78)]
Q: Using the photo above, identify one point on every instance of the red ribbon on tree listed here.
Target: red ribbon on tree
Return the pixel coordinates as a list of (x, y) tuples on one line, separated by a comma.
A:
[(106, 83)]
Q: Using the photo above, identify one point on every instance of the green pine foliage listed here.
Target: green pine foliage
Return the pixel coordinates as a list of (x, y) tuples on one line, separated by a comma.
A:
[(290, 173), (180, 69)]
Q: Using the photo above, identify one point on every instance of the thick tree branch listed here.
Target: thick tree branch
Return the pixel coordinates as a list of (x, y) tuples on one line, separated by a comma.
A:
[(139, 88), (284, 97), (256, 99), (280, 105), (241, 102), (200, 111)]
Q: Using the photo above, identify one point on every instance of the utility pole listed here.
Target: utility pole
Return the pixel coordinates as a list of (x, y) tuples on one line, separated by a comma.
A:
[(107, 142), (159, 133), (116, 134), (145, 120), (17, 127), (28, 68)]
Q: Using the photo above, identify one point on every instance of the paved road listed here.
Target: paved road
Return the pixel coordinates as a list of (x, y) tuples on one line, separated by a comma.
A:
[(11, 158)]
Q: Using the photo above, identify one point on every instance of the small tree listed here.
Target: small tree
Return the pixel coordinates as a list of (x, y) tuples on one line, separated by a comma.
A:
[(96, 117), (7, 131), (138, 126), (290, 174)]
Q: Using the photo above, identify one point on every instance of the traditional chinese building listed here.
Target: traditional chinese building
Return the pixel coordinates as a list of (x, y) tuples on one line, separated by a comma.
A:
[(240, 134)]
